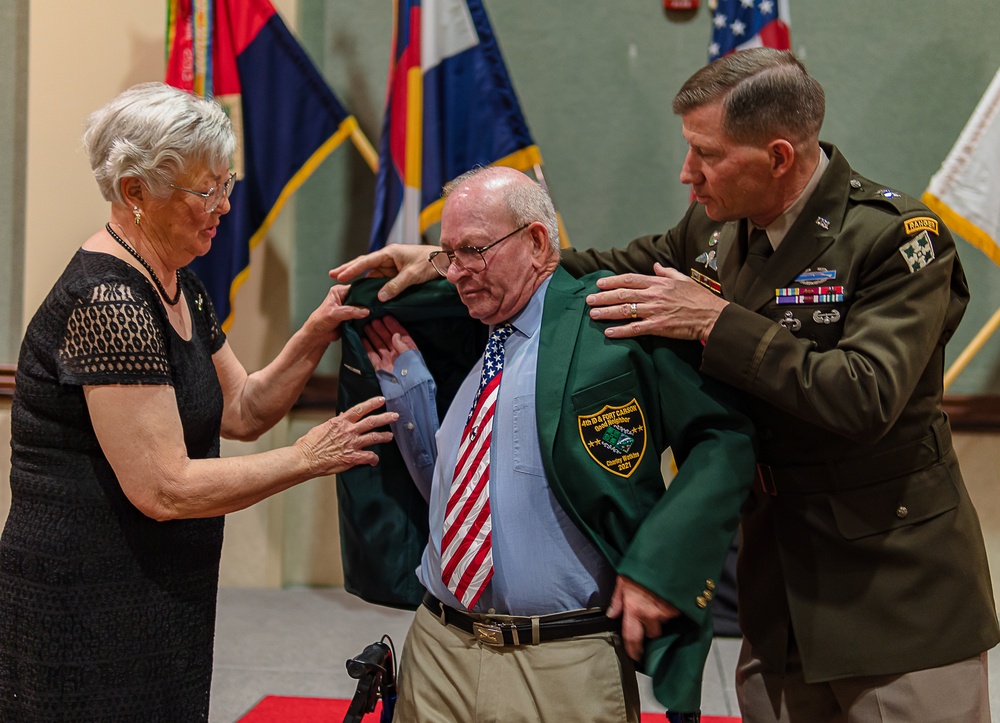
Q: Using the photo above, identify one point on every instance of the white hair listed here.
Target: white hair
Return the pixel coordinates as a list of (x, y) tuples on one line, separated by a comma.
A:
[(152, 132), (525, 202)]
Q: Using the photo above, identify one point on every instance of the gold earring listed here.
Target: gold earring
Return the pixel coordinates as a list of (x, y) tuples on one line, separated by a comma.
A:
[(138, 214)]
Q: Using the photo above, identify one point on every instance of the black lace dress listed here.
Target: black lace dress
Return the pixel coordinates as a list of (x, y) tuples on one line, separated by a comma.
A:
[(105, 614)]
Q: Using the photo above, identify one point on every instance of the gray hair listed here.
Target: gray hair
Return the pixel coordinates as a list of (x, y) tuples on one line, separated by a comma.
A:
[(152, 132), (525, 203), (764, 92)]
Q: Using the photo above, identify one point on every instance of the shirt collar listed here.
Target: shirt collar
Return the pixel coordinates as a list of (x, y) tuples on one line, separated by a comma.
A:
[(529, 319), (779, 227)]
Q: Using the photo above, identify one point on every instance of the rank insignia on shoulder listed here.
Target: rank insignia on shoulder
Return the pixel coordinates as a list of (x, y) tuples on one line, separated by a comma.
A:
[(918, 252), (888, 193), (615, 437), (706, 281), (814, 278), (915, 225)]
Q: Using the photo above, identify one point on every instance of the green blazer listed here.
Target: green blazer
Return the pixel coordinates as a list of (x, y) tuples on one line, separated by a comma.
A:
[(862, 538), (606, 410)]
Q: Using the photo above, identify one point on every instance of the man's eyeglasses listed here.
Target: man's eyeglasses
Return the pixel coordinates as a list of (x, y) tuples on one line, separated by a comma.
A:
[(213, 196), (470, 258)]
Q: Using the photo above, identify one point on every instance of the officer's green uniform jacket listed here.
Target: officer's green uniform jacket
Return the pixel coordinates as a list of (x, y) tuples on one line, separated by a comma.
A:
[(605, 411), (861, 536)]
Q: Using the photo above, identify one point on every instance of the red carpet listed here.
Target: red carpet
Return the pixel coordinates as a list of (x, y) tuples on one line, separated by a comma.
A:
[(280, 709)]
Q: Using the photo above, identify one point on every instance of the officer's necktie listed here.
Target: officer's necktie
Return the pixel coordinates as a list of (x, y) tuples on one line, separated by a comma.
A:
[(759, 250), (466, 549)]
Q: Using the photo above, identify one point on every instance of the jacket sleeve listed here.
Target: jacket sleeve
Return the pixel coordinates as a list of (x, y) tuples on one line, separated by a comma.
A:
[(679, 549), (898, 318)]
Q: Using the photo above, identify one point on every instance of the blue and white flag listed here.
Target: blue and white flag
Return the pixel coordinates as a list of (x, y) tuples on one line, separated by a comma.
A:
[(450, 107)]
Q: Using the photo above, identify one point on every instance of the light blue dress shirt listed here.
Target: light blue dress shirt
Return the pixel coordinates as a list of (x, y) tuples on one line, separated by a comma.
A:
[(541, 562)]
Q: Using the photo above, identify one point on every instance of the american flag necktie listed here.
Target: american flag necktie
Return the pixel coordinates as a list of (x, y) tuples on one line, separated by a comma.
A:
[(466, 549)]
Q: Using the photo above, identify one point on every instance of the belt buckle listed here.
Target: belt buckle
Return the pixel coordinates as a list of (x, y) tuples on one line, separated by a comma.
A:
[(489, 634)]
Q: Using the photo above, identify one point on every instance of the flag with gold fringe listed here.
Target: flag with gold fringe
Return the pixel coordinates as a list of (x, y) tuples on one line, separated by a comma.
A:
[(965, 192), (286, 118)]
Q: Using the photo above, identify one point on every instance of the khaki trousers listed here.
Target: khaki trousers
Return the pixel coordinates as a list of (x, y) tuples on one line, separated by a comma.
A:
[(447, 676), (956, 693)]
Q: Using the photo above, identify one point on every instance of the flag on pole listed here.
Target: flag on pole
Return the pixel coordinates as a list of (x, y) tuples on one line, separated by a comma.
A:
[(450, 106), (741, 24), (965, 192), (286, 119)]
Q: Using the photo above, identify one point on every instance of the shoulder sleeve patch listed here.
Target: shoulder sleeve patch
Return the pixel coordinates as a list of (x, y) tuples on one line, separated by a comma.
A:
[(921, 223), (918, 252)]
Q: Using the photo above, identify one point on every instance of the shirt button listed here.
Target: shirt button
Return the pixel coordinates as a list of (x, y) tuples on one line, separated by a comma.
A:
[(902, 512), (409, 426), (402, 373)]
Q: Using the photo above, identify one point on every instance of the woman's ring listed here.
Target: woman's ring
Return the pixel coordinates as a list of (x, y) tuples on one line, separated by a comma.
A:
[(633, 309)]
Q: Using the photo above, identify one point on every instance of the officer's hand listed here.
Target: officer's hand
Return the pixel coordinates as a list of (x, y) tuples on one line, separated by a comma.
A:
[(405, 264), (385, 339), (669, 304), (643, 614)]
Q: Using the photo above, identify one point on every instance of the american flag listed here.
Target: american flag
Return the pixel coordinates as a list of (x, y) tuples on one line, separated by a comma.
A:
[(740, 24)]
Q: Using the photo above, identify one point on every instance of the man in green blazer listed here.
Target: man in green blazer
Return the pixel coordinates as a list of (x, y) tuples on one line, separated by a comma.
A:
[(864, 590), (578, 510)]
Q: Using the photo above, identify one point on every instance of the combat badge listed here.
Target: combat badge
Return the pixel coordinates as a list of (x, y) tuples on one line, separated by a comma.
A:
[(918, 252), (819, 276), (615, 437)]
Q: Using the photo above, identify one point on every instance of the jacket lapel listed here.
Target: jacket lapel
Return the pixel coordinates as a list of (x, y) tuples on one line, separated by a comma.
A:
[(730, 256), (564, 302)]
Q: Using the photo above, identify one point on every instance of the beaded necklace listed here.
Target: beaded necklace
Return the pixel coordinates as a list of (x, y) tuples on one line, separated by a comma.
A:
[(156, 280)]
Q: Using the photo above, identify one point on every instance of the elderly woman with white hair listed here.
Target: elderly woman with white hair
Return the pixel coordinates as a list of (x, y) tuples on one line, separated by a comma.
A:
[(109, 560)]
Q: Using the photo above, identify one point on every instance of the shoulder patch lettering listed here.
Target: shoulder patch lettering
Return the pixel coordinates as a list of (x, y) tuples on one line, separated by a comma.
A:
[(918, 252), (915, 225)]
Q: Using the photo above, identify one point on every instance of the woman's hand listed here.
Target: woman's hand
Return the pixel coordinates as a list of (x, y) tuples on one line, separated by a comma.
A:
[(385, 339), (404, 264), (331, 313), (339, 443)]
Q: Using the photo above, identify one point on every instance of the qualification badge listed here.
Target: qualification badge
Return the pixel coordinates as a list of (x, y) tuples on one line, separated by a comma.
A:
[(615, 437)]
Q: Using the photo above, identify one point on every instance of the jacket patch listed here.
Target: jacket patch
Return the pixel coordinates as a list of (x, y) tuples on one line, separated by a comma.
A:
[(918, 252), (914, 225), (615, 437)]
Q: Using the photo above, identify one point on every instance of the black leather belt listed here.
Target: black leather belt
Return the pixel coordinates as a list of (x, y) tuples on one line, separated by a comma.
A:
[(860, 472), (515, 630)]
